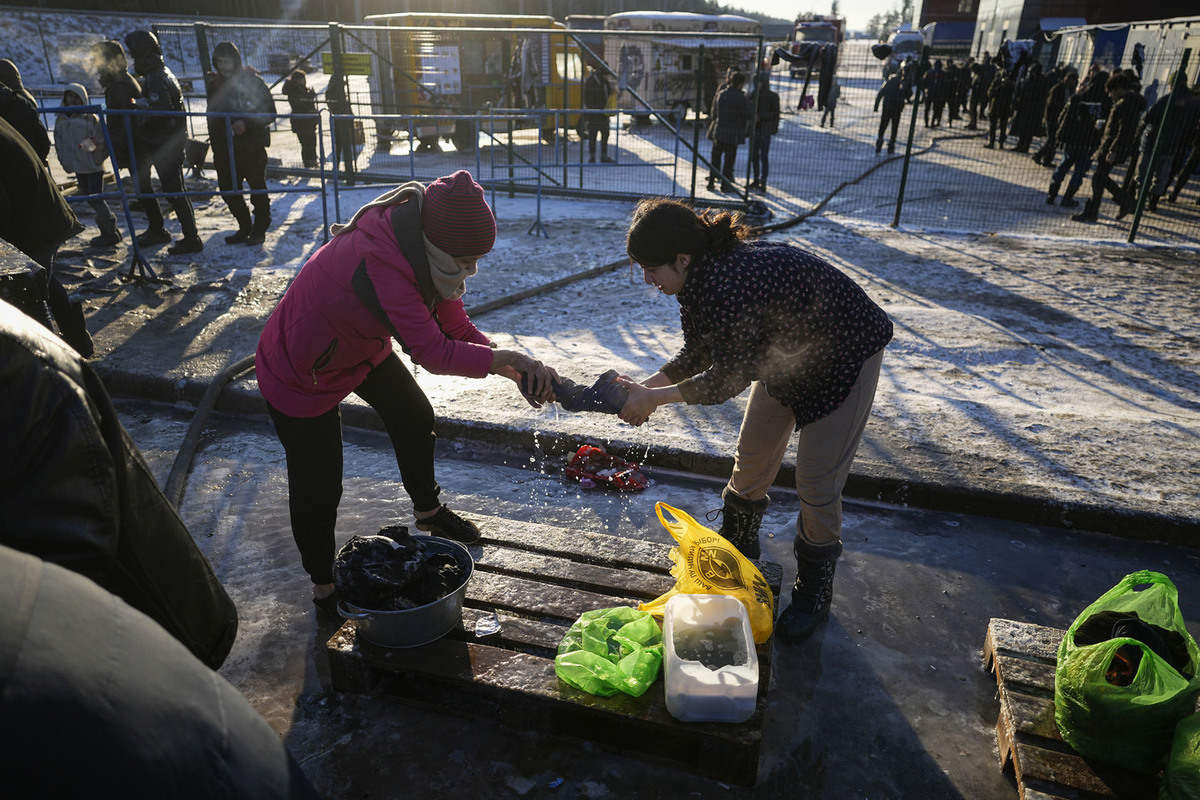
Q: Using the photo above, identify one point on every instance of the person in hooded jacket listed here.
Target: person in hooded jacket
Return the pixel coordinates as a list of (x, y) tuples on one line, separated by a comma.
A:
[(240, 112), (1076, 132), (1118, 140), (727, 130), (303, 100), (396, 270), (160, 142), (121, 93), (20, 108), (79, 144)]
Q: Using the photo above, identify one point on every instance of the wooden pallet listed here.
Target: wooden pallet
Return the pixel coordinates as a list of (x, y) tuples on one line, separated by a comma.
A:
[(538, 579), (1024, 656)]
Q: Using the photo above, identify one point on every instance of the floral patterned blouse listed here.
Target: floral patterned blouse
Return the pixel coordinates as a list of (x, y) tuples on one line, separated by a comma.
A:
[(771, 312)]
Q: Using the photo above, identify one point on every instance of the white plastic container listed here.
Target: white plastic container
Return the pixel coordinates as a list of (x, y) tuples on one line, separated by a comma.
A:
[(709, 660)]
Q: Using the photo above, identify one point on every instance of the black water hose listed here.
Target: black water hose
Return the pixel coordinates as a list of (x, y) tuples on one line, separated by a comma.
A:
[(787, 223), (187, 450)]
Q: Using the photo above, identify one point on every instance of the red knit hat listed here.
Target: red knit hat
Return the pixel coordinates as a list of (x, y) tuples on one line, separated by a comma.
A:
[(456, 218)]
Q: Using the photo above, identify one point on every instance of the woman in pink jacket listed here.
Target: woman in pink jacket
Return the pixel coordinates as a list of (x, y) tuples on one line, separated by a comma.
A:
[(396, 270)]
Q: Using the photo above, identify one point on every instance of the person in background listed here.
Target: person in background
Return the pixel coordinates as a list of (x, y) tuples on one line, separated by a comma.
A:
[(596, 91), (240, 112), (1117, 143), (1056, 100), (20, 108), (397, 270), (891, 95), (765, 103), (1165, 132), (808, 342), (730, 115), (1000, 98), (36, 219), (303, 100), (1076, 132), (160, 142), (79, 144), (121, 93), (831, 101), (337, 98)]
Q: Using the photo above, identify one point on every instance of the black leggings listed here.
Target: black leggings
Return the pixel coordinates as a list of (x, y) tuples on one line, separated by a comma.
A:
[(314, 459)]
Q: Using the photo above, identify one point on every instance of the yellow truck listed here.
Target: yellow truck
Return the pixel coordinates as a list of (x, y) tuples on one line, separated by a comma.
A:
[(455, 66)]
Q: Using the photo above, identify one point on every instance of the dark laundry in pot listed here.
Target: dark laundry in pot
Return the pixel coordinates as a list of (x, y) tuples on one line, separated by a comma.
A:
[(393, 571)]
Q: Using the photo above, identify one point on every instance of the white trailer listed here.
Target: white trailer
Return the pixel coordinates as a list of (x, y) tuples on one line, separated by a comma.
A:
[(663, 69)]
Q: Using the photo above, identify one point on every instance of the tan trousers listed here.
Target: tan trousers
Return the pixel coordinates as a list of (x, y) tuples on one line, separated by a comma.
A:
[(824, 453)]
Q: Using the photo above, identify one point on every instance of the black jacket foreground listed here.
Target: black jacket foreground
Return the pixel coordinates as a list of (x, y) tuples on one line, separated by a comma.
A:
[(99, 701), (75, 491)]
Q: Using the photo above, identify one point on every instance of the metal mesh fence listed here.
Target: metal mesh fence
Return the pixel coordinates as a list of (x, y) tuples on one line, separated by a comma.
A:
[(506, 104)]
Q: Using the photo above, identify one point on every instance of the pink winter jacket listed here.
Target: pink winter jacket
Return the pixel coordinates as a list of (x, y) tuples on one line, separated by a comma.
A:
[(335, 323)]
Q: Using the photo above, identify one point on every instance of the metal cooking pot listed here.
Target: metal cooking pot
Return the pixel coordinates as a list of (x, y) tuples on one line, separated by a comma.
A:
[(412, 627)]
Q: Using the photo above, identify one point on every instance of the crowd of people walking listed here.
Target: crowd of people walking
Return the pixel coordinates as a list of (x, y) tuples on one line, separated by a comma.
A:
[(1094, 124)]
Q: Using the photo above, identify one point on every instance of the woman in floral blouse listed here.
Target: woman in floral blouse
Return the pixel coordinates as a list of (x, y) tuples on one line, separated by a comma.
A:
[(803, 336)]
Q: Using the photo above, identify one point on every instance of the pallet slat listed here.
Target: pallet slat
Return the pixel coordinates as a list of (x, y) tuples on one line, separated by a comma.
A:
[(1023, 657)]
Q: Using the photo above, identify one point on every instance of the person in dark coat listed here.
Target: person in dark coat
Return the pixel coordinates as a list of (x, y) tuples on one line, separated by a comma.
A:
[(303, 100), (596, 92), (35, 218), (1117, 142), (979, 90), (20, 108), (1000, 96), (240, 112), (1056, 101), (121, 93), (765, 102), (803, 337), (730, 115), (160, 142), (113, 620), (831, 101), (1029, 106), (1078, 135), (934, 94), (337, 98), (1166, 130), (891, 96)]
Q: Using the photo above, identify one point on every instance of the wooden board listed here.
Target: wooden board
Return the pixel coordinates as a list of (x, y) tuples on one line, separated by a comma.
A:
[(1023, 657), (537, 580)]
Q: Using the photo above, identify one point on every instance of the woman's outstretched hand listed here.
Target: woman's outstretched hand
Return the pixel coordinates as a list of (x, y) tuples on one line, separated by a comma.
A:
[(641, 402), (540, 379)]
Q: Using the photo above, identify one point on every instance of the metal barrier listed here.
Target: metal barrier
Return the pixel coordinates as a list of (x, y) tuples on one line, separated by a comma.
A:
[(822, 161)]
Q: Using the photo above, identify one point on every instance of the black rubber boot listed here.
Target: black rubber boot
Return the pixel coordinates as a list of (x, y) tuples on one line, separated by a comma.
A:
[(740, 521), (242, 215), (1090, 213), (813, 593), (1053, 193), (109, 236), (73, 326)]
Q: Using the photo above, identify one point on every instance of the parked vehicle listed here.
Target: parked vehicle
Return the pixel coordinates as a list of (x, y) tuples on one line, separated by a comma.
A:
[(457, 65), (814, 29), (663, 70), (905, 42)]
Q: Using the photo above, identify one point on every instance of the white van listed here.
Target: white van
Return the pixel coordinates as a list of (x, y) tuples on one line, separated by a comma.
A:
[(906, 42)]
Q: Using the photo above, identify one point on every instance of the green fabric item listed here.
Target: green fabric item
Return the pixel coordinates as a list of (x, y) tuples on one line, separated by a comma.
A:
[(610, 650), (1181, 779), (1127, 726)]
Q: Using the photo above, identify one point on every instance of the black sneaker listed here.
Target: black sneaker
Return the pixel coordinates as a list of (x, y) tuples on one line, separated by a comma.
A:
[(238, 236), (448, 525)]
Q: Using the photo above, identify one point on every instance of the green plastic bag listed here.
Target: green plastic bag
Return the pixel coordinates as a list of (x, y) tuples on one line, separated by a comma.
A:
[(610, 650), (1132, 725), (1181, 779)]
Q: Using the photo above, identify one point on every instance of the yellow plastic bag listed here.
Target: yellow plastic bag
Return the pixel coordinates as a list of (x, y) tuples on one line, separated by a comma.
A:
[(706, 563)]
